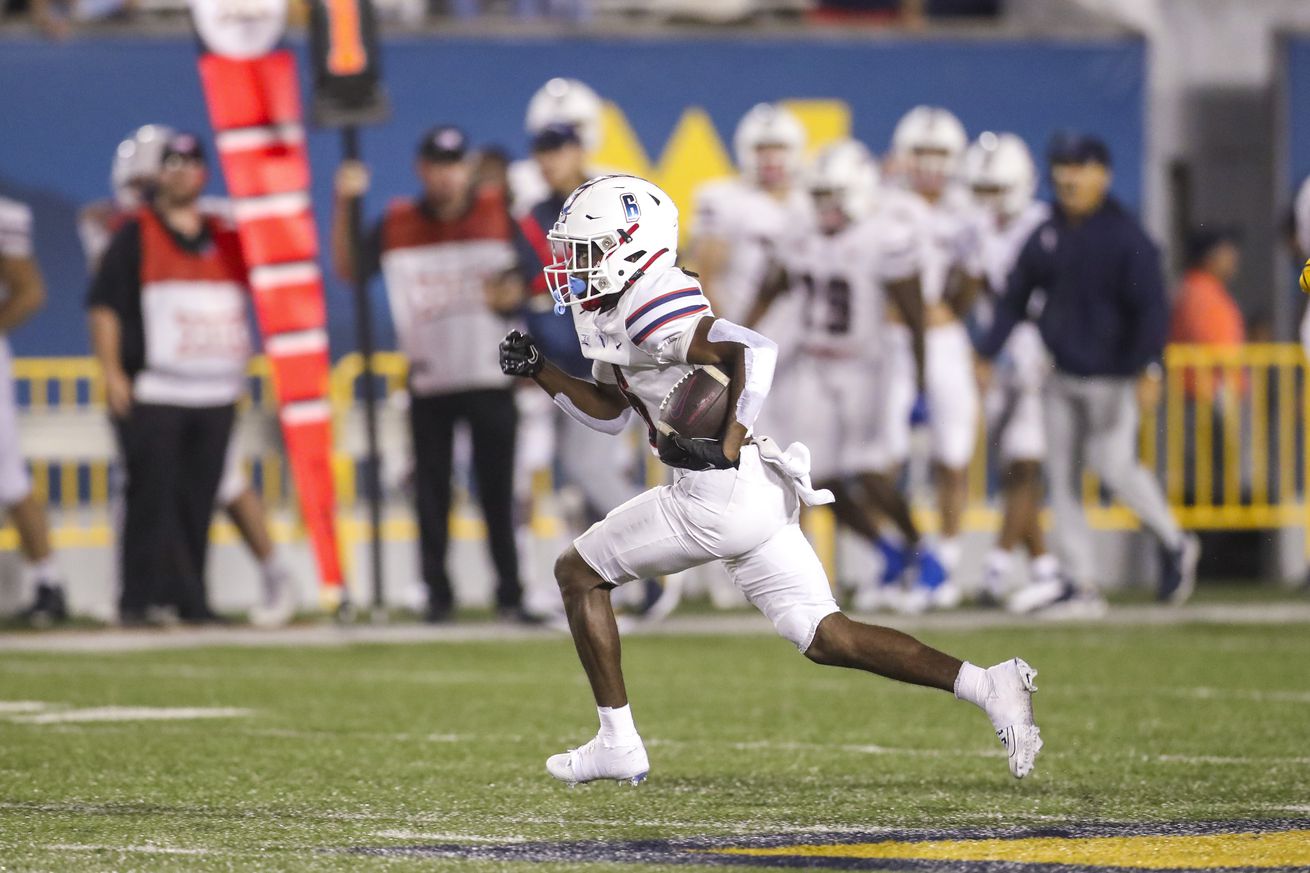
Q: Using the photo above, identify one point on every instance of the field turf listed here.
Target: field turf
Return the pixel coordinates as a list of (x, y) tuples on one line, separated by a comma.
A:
[(324, 751)]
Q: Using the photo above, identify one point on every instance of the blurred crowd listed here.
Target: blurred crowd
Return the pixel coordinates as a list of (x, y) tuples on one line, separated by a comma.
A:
[(58, 18)]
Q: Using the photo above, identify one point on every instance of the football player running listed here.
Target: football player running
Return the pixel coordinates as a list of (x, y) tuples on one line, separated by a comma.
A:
[(1001, 175), (645, 324), (862, 256), (927, 147)]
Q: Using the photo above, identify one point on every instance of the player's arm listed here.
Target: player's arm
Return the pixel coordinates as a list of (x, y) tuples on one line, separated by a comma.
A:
[(962, 290), (600, 406), (776, 283), (26, 290), (1012, 306), (749, 359), (117, 279), (351, 183), (907, 296)]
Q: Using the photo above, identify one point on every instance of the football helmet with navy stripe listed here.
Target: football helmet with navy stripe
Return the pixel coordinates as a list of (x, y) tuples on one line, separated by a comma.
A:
[(611, 231)]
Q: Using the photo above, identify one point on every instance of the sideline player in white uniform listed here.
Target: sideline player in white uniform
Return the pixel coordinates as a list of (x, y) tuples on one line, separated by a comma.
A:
[(927, 147), (862, 255), (1000, 172), (133, 177), (22, 294), (645, 324), (559, 102)]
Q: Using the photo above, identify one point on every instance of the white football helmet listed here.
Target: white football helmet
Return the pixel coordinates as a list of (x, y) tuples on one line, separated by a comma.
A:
[(845, 176), (135, 170), (1001, 174), (611, 231), (566, 101), (769, 124), (927, 145)]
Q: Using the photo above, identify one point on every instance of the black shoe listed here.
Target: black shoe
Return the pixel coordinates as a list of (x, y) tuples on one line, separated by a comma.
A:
[(438, 613), (206, 617), (49, 608), (1178, 571)]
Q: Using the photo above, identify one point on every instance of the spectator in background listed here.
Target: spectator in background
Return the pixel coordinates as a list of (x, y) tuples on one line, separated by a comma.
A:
[(1204, 310), (168, 313), (1104, 322), (1205, 313), (455, 270)]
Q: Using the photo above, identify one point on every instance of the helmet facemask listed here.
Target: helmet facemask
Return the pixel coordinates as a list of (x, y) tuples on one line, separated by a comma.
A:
[(577, 276)]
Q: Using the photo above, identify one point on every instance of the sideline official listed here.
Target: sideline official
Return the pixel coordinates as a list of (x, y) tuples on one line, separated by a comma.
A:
[(168, 312), (1104, 322), (455, 268)]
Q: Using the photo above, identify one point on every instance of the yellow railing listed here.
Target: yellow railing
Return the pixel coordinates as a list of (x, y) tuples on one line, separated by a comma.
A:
[(1232, 446)]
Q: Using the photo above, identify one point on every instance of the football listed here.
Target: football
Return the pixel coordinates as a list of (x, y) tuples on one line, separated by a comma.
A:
[(696, 406)]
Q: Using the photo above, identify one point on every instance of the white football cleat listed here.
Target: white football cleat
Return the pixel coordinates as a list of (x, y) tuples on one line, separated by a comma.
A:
[(1009, 705), (595, 760)]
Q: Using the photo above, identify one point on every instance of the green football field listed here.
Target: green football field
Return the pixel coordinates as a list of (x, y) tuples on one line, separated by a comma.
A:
[(429, 756)]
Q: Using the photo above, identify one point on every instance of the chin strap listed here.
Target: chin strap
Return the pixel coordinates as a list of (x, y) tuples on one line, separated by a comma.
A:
[(760, 358)]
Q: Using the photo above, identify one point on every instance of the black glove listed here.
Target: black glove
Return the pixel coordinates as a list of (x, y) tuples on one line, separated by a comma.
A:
[(694, 454), (519, 355)]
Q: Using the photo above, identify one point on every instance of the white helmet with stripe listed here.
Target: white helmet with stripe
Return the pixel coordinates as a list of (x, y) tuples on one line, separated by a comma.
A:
[(765, 125), (927, 146), (1001, 174), (567, 102), (843, 176), (611, 231), (135, 170)]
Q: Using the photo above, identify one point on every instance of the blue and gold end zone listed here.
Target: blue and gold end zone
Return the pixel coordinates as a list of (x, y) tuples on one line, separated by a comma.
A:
[(1259, 845)]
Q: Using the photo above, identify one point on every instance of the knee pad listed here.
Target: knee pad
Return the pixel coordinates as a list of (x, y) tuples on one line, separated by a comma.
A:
[(15, 483)]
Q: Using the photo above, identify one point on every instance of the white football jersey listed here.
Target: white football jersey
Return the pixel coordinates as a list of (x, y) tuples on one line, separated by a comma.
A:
[(1001, 245), (646, 336), (15, 233), (840, 278), (1024, 359), (953, 234), (754, 226)]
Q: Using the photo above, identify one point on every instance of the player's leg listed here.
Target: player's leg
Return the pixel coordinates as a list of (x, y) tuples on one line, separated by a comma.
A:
[(493, 420), (151, 441), (954, 408), (653, 534), (784, 579), (206, 432), (26, 512), (432, 430), (1112, 453)]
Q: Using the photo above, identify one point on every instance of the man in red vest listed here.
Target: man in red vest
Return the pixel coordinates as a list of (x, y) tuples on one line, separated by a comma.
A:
[(168, 313), (455, 268)]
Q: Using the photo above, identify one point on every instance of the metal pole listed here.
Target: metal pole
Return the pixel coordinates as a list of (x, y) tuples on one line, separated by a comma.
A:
[(364, 339)]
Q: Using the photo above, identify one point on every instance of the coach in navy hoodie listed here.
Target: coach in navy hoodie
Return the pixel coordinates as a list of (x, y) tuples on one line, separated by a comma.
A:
[(1104, 320)]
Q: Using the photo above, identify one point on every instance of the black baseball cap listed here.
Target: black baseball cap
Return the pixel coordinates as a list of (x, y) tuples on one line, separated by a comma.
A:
[(188, 145), (1074, 147), (555, 136), (444, 143)]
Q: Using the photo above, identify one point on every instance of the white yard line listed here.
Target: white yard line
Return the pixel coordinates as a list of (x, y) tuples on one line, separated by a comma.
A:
[(131, 713), (147, 849)]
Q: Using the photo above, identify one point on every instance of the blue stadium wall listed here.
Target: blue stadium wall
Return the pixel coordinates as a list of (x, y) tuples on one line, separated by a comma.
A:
[(63, 109)]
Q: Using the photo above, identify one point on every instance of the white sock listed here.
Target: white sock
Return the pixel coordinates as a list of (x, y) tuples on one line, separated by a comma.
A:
[(616, 727), (971, 684), (948, 551), (996, 575), (45, 572), (1045, 568)]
